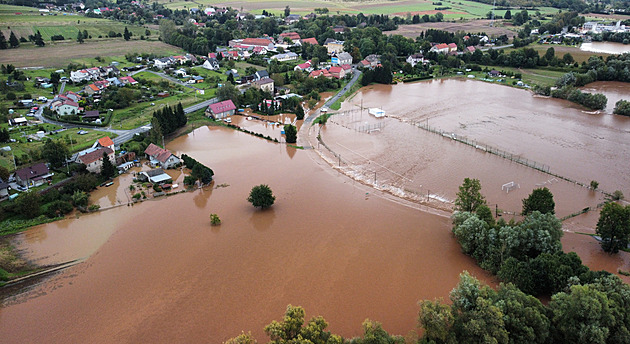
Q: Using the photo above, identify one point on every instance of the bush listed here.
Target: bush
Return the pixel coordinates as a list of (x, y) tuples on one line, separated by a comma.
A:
[(215, 220), (261, 196)]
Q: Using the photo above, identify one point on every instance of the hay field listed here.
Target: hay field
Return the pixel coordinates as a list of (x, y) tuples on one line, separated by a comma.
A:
[(60, 54)]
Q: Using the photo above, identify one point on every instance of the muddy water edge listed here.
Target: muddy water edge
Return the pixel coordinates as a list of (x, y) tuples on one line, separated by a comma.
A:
[(165, 275)]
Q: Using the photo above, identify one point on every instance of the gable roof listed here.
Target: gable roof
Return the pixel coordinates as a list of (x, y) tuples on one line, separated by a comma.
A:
[(105, 141), (263, 81), (92, 114), (94, 155), (256, 41), (224, 106), (32, 172), (441, 46), (311, 40)]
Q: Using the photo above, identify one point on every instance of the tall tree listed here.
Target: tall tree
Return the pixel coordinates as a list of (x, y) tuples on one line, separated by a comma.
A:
[(55, 152), (469, 196), (80, 37), (291, 133), (39, 41), (107, 169), (127, 34), (28, 203), (287, 11), (14, 42), (540, 200), (614, 227), (3, 41)]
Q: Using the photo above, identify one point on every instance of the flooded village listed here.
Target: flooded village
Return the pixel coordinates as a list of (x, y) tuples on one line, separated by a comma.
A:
[(367, 212), (334, 242)]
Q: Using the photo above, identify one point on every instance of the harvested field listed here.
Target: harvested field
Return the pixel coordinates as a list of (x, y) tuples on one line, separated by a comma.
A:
[(60, 54), (473, 26)]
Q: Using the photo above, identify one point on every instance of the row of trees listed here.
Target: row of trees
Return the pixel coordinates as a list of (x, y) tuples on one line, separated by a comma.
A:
[(199, 171), (166, 120)]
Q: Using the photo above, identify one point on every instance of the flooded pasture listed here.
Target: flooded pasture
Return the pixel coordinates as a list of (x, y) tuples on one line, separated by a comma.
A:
[(329, 244)]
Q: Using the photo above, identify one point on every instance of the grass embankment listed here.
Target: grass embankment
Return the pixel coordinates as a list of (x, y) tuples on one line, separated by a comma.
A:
[(11, 264), (351, 92)]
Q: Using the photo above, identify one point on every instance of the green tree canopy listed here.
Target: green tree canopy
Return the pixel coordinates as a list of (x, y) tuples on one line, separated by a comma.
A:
[(469, 196), (291, 133), (55, 152), (539, 200), (28, 203), (261, 196), (107, 169), (613, 227)]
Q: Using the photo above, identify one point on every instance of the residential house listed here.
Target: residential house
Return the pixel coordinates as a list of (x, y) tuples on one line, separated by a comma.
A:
[(347, 68), (343, 58), (321, 72), (71, 96), (306, 66), (212, 55), (311, 40), (161, 157), (180, 73), (221, 109), (91, 89), (104, 142), (230, 55), (452, 47), (370, 61), (156, 176), (114, 82), (266, 43), (470, 49), (232, 72), (290, 56), (260, 50), (334, 46), (293, 36), (494, 73), (211, 64), (196, 79), (32, 176), (127, 80), (18, 121), (265, 85), (79, 76), (414, 59), (337, 72), (292, 18), (93, 160), (261, 74), (67, 107), (162, 62), (91, 115), (441, 48)]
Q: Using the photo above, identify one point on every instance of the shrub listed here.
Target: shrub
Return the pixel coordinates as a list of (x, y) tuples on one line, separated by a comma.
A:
[(215, 220)]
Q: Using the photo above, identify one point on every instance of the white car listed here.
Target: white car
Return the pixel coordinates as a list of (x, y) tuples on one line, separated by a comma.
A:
[(42, 99)]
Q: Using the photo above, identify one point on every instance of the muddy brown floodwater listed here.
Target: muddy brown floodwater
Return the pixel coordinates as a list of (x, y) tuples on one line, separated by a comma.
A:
[(158, 272), (329, 244)]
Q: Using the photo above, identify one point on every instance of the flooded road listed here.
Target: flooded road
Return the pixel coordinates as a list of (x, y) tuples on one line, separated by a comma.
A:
[(329, 244)]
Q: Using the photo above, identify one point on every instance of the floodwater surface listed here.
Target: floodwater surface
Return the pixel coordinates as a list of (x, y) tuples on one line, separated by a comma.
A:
[(606, 47), (165, 275)]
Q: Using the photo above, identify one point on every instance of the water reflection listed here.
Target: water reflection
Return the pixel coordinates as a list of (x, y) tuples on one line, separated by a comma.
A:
[(202, 195), (263, 219)]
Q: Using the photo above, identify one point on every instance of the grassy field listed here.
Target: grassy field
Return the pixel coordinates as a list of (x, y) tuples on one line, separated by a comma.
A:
[(60, 54), (30, 21)]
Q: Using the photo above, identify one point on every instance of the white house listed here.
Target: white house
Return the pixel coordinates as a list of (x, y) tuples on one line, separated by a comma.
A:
[(94, 159), (265, 84), (161, 157), (80, 75), (344, 58), (211, 64), (67, 107), (162, 63), (290, 56)]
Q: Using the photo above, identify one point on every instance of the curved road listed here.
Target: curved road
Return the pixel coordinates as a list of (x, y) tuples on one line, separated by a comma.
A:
[(331, 101)]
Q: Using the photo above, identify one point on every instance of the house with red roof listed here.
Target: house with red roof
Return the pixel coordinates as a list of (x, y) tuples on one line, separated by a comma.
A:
[(67, 107), (293, 36), (321, 72), (337, 72), (221, 109), (32, 176), (306, 66), (470, 49), (266, 43), (441, 48), (127, 80), (93, 160), (212, 55), (311, 40), (161, 157), (452, 47), (104, 142)]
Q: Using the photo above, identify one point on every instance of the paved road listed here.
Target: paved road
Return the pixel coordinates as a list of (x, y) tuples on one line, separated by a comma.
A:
[(499, 47), (63, 87), (336, 97)]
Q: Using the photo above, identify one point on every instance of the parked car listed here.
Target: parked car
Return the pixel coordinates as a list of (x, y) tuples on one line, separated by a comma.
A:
[(42, 99)]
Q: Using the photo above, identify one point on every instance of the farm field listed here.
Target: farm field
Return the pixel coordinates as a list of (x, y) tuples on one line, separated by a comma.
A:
[(60, 54), (473, 26), (459, 9), (29, 21)]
